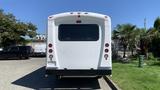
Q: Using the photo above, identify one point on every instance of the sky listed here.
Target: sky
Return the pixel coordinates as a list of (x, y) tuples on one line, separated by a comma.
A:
[(120, 11)]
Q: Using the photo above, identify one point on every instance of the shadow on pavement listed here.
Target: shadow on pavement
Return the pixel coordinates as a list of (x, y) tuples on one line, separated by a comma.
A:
[(36, 80)]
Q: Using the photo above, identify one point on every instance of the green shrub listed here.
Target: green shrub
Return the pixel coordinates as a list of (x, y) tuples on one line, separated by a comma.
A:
[(151, 56)]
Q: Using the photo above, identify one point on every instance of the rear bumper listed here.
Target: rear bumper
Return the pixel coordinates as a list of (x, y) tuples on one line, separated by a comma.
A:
[(79, 72)]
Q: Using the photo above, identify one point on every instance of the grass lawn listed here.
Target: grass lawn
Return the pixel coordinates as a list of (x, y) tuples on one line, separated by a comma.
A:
[(130, 77)]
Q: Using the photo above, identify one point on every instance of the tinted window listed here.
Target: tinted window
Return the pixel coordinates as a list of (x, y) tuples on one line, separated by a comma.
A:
[(78, 32), (22, 48), (25, 48), (13, 49)]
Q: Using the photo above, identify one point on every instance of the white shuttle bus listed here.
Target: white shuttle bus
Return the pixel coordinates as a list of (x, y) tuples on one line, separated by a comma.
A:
[(79, 44)]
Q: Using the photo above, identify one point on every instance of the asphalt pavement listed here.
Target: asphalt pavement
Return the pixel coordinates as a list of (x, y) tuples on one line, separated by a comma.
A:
[(29, 75)]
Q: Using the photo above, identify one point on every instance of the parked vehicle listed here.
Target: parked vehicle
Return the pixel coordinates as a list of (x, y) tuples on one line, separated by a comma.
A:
[(16, 52), (79, 44), (1, 49), (39, 49)]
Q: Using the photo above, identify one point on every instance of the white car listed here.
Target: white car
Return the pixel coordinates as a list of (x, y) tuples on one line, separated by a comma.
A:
[(39, 49)]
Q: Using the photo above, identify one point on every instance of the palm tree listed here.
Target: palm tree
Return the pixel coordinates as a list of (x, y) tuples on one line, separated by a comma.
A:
[(146, 39), (123, 33), (157, 24), (134, 40), (144, 42), (155, 36)]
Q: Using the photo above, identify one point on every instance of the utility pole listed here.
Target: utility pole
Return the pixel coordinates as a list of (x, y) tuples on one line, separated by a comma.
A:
[(145, 24), (141, 56)]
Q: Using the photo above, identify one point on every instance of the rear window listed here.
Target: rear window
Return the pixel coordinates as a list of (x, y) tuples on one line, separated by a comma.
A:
[(78, 32)]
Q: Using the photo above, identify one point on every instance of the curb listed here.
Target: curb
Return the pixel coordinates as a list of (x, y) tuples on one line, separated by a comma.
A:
[(111, 84)]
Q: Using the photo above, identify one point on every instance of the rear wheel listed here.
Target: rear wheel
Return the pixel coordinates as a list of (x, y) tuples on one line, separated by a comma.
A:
[(26, 57), (58, 77), (20, 57), (98, 76)]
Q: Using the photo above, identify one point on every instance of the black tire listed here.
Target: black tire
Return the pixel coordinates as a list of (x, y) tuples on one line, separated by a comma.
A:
[(58, 77), (98, 77), (20, 57), (26, 57)]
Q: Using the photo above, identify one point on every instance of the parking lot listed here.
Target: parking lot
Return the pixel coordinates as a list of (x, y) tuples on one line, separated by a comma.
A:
[(29, 75)]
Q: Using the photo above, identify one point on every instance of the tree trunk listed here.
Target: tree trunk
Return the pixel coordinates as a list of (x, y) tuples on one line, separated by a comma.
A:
[(132, 52), (124, 51), (146, 53)]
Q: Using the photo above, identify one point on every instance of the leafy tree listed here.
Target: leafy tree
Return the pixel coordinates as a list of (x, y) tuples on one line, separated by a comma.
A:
[(13, 31), (155, 35), (139, 38), (144, 41), (134, 40), (124, 34), (157, 24), (115, 42)]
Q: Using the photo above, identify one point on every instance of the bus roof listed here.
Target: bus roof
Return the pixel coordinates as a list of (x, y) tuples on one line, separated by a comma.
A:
[(90, 14)]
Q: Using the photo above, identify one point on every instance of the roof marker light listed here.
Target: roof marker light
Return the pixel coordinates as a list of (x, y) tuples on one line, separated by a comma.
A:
[(50, 16), (79, 16), (105, 16)]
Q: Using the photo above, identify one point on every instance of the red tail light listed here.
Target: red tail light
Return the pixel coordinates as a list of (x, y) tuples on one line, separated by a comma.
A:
[(50, 45), (107, 44), (106, 50), (50, 50)]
